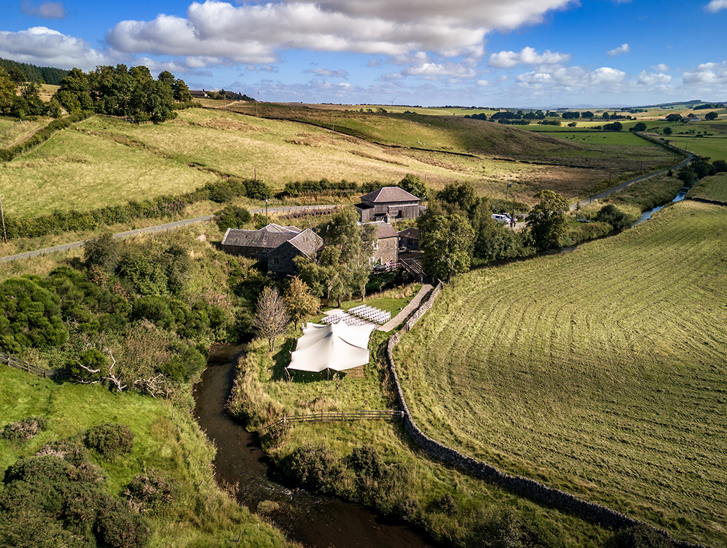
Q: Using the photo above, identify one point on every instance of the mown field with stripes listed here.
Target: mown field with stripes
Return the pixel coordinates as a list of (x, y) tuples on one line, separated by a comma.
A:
[(601, 372)]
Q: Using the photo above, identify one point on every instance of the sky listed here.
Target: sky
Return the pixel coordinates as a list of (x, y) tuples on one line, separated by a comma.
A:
[(489, 53)]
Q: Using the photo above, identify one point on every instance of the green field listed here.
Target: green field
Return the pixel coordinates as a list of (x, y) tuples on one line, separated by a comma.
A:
[(170, 442), (73, 170), (600, 372), (108, 162), (711, 188), (12, 132)]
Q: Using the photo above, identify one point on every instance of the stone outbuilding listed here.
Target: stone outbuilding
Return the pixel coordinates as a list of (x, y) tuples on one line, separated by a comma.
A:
[(274, 244), (386, 246), (409, 239), (388, 203)]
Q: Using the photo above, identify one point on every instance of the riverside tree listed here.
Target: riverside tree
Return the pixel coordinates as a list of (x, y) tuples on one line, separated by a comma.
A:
[(547, 221), (271, 318)]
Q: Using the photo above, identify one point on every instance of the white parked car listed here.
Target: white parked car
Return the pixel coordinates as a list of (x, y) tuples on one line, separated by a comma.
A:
[(502, 218)]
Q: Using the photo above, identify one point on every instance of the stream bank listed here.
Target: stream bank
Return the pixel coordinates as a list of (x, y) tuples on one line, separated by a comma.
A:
[(310, 519)]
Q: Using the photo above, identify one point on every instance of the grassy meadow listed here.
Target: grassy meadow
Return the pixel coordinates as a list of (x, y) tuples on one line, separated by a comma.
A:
[(165, 438), (600, 372), (711, 188), (13, 132), (105, 162)]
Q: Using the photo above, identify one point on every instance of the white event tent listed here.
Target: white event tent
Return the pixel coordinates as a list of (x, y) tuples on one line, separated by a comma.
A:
[(338, 347)]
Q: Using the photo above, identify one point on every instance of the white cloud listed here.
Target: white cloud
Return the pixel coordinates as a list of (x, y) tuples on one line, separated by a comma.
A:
[(47, 47), (527, 56), (623, 48), (653, 80), (661, 67), (707, 73), (434, 70), (573, 79), (254, 33), (46, 10), (329, 73), (716, 5), (483, 83)]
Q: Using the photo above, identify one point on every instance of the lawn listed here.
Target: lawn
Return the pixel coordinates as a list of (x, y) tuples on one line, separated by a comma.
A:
[(711, 188), (165, 438), (600, 372)]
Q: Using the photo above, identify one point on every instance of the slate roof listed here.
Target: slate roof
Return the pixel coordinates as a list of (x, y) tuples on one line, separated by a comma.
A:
[(256, 238), (389, 194), (272, 227), (307, 242), (385, 230), (410, 233)]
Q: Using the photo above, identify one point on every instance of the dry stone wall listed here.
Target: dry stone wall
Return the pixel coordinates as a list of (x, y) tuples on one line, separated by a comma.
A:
[(519, 485)]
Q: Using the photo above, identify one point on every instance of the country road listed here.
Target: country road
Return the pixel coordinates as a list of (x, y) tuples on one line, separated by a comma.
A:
[(616, 188), (158, 228)]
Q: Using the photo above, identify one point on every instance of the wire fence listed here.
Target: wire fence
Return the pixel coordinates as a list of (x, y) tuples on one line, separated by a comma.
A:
[(332, 417), (30, 368)]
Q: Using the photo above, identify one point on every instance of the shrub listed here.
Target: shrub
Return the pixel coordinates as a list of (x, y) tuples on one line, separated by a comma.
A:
[(152, 491), (102, 252), (615, 217), (317, 467), (110, 440), (72, 452), (119, 527), (639, 536), (366, 461), (24, 430), (154, 309), (232, 217)]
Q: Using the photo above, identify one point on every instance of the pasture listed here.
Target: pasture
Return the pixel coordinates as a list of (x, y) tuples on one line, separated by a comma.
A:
[(711, 188), (601, 372)]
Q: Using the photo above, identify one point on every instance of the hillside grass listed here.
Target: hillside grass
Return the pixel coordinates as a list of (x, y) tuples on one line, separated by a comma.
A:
[(74, 170), (166, 438), (13, 131), (600, 372), (711, 188)]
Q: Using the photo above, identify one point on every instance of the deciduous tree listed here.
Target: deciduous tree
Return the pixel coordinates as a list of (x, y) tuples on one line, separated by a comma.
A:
[(547, 221), (271, 318), (447, 241), (299, 301)]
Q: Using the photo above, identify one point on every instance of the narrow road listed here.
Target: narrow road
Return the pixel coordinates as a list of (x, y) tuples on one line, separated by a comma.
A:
[(616, 188), (158, 228), (413, 305)]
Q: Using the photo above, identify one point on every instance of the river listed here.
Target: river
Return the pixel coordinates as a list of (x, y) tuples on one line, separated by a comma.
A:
[(646, 215), (310, 519)]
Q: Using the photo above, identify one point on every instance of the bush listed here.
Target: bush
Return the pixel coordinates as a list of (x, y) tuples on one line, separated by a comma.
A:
[(110, 440), (152, 491), (615, 217), (72, 452), (232, 217), (317, 467), (154, 309), (639, 536), (119, 527), (24, 430)]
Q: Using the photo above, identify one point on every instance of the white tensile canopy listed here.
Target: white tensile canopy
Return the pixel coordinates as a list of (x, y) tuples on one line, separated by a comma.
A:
[(338, 347)]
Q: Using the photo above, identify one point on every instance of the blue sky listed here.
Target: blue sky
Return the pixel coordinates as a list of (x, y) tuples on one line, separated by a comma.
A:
[(511, 53)]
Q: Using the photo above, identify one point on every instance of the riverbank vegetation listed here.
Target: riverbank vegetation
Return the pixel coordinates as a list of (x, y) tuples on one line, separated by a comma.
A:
[(584, 370), (158, 491), (711, 188)]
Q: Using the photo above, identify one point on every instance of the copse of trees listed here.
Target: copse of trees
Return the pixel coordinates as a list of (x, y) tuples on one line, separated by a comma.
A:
[(33, 73), (19, 96), (122, 91)]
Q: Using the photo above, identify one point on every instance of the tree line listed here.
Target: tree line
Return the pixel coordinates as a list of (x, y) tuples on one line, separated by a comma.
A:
[(116, 91)]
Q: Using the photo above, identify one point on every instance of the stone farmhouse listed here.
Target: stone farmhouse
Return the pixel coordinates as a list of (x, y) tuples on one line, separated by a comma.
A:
[(388, 203), (386, 247), (277, 245)]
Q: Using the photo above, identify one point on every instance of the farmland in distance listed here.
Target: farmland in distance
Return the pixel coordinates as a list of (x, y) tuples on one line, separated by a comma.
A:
[(600, 372)]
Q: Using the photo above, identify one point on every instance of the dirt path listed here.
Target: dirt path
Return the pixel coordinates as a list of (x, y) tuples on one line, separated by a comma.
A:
[(413, 305)]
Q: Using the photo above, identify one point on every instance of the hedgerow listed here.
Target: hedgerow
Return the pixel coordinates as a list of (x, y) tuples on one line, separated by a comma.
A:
[(59, 222)]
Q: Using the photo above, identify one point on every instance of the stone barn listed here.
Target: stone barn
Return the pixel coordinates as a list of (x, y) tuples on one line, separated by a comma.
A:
[(388, 203)]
